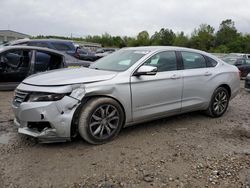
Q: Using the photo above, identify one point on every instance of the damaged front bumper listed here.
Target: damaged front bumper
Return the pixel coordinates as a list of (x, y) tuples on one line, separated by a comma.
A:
[(48, 121)]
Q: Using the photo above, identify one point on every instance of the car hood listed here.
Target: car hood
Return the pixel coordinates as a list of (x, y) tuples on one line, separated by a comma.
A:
[(69, 76)]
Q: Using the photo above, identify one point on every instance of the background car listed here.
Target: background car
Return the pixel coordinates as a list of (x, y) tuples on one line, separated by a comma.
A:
[(18, 62), (86, 54), (247, 82), (231, 59), (242, 55), (102, 52), (243, 65), (57, 44), (130, 86), (15, 42)]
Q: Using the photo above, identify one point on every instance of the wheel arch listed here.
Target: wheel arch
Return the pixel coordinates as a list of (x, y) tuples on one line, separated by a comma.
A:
[(227, 87), (74, 122)]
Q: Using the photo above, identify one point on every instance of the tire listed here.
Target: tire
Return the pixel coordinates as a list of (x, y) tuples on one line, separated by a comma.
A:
[(219, 102), (100, 120)]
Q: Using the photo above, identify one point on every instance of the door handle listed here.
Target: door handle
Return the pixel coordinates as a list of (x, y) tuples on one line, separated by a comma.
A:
[(208, 74), (175, 76)]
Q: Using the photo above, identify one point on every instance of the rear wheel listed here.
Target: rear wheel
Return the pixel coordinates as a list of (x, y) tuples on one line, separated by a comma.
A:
[(219, 102), (100, 120)]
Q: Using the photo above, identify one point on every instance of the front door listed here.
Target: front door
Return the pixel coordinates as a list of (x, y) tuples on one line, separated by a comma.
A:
[(160, 94), (15, 65), (45, 61)]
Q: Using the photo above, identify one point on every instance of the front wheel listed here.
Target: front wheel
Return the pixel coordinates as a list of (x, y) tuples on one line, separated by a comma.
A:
[(100, 120), (219, 102)]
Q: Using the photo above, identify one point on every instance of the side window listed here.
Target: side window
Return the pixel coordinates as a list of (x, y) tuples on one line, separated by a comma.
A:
[(164, 61), (61, 46), (193, 60), (42, 61), (45, 61), (211, 62)]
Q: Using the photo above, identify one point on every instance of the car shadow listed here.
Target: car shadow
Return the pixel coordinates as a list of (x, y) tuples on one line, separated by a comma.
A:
[(169, 123)]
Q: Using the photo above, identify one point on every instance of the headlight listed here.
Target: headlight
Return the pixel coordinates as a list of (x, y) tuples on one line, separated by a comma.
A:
[(38, 97)]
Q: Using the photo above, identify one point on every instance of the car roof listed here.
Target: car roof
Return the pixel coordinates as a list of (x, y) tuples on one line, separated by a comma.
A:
[(51, 40), (26, 40), (174, 48), (31, 48), (18, 41)]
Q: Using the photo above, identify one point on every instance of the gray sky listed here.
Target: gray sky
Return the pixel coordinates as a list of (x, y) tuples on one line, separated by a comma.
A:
[(126, 17)]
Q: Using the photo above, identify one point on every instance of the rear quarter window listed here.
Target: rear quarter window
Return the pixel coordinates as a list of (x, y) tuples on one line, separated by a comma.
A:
[(211, 62), (193, 60)]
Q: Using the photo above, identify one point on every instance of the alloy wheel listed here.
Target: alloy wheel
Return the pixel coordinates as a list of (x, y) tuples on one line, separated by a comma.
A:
[(220, 102), (104, 121)]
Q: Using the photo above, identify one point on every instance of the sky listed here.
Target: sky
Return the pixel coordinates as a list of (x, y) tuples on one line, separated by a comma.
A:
[(80, 18)]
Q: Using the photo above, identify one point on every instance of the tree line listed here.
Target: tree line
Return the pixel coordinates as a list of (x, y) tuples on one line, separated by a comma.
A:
[(227, 39)]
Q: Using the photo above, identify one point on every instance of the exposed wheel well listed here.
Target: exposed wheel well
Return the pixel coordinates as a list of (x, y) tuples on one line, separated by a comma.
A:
[(227, 88), (74, 122)]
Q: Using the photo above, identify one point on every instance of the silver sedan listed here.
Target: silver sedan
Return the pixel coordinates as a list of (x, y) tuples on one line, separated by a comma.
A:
[(129, 86)]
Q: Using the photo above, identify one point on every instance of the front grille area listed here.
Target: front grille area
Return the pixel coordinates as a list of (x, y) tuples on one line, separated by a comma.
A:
[(39, 126), (20, 96)]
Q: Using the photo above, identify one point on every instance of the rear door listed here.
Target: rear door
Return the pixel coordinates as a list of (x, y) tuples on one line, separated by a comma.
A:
[(45, 61), (160, 94), (197, 71)]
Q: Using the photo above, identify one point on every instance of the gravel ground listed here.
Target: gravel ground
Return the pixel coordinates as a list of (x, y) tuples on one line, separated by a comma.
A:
[(190, 150)]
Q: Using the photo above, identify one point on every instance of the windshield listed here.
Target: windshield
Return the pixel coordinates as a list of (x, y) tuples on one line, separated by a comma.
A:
[(119, 61)]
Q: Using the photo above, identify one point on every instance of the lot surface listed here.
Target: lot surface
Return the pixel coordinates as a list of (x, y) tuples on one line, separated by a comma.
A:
[(190, 150)]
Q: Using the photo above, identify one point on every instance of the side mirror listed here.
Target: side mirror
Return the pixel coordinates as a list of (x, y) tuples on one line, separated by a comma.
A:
[(146, 70)]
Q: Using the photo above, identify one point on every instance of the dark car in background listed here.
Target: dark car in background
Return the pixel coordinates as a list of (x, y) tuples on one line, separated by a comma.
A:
[(243, 64), (86, 54), (18, 62), (247, 82), (66, 46)]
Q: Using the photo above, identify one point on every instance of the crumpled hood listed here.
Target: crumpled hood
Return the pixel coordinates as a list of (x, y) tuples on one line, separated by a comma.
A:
[(69, 76)]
